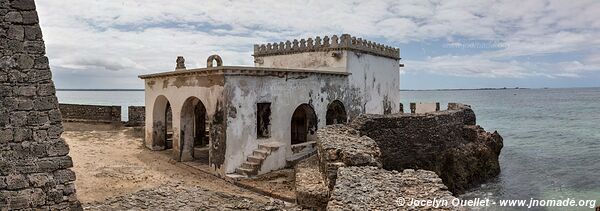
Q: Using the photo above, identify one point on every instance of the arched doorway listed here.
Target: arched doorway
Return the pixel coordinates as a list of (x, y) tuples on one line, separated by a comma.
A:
[(304, 124), (194, 134), (336, 113), (162, 127)]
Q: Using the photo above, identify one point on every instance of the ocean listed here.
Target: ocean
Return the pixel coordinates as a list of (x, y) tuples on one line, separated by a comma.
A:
[(551, 136), (551, 140)]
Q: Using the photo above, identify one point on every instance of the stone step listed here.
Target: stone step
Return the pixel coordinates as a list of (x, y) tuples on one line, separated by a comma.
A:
[(255, 159), (298, 157), (253, 162), (246, 171), (236, 176), (261, 153), (251, 165), (271, 146)]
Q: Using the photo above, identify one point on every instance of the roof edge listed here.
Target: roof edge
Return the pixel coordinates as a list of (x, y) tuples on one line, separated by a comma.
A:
[(239, 70)]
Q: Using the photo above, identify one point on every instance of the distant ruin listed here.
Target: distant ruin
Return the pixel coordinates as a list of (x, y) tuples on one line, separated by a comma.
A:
[(34, 163)]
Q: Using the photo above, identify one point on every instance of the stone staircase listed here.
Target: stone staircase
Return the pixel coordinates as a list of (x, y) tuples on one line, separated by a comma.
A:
[(254, 162)]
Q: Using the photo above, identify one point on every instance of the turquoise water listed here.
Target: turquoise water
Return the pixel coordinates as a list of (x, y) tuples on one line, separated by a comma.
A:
[(551, 139), (551, 136)]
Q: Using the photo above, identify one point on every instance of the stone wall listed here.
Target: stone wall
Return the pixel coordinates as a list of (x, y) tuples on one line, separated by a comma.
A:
[(311, 187), (346, 174), (339, 146), (136, 115), (446, 142), (34, 162), (90, 113)]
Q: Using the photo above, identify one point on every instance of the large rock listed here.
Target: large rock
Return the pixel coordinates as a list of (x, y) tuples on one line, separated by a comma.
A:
[(446, 142), (34, 165), (371, 188), (339, 145)]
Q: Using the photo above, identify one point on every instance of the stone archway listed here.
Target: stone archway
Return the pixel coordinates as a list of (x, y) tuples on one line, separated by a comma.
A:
[(162, 127), (215, 57), (303, 124), (336, 113), (194, 139)]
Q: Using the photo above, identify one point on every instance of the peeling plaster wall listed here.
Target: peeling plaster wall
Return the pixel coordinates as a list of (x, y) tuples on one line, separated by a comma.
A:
[(285, 93), (321, 60), (209, 89), (378, 79)]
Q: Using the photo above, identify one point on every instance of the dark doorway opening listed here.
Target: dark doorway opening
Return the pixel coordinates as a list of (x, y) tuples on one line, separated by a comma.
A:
[(194, 131), (169, 127), (304, 124)]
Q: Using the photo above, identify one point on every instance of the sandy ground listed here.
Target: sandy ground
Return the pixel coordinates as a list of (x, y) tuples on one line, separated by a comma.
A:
[(110, 161), (279, 183)]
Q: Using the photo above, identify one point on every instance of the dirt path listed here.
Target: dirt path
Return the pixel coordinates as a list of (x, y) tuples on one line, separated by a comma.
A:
[(110, 162)]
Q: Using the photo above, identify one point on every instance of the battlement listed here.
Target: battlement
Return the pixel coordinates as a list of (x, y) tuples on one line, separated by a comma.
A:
[(343, 42)]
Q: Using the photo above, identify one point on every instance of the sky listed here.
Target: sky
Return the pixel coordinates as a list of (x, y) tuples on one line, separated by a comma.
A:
[(443, 44)]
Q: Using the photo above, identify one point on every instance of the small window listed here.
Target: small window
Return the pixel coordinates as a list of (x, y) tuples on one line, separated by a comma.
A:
[(263, 121)]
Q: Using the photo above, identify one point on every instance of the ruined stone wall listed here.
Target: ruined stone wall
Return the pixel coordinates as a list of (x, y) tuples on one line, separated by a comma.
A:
[(34, 161), (90, 113), (346, 174), (446, 142), (339, 146), (136, 115)]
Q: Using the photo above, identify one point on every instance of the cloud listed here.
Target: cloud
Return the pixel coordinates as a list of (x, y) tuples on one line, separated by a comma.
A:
[(486, 67), (126, 38)]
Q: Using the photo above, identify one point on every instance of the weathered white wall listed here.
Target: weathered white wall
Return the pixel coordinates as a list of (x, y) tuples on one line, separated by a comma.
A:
[(378, 79), (285, 94), (371, 87), (177, 89), (321, 60)]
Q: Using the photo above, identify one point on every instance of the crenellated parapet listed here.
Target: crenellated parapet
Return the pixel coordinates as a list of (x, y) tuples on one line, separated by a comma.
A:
[(343, 42)]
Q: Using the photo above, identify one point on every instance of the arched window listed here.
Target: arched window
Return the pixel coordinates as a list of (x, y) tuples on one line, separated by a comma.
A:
[(336, 113)]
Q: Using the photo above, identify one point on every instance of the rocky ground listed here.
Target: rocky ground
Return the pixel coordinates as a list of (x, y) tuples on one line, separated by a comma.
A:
[(114, 172), (279, 183), (178, 196), (371, 188)]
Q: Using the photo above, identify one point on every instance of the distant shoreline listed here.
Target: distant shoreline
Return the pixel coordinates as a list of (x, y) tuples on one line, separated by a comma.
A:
[(469, 89), (507, 88)]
